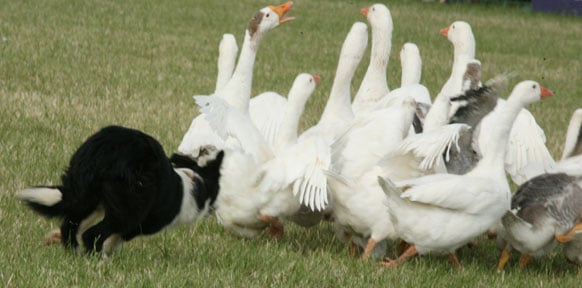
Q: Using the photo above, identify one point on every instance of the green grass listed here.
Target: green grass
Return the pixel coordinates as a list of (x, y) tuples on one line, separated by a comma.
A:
[(68, 68)]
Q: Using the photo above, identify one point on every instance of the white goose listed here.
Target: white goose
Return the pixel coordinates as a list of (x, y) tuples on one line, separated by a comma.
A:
[(377, 144), (526, 143), (357, 204), (374, 86), (244, 208), (442, 212), (307, 159), (237, 91), (358, 201), (461, 36)]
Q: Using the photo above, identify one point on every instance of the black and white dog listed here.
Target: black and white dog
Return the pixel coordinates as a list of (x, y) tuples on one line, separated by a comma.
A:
[(123, 178)]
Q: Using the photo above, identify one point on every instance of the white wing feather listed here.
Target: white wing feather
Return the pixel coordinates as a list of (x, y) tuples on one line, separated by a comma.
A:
[(229, 122), (455, 192), (430, 146), (267, 111), (571, 166), (526, 145), (199, 134), (370, 137), (301, 165)]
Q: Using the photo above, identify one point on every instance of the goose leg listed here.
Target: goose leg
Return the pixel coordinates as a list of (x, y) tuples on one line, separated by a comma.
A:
[(568, 236), (503, 259), (369, 248), (411, 251), (455, 261), (472, 244), (353, 248), (491, 235), (402, 246), (276, 227), (524, 259)]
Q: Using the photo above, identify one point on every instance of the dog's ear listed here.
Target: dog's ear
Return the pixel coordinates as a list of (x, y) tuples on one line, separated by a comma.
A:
[(217, 161), (212, 167), (184, 161)]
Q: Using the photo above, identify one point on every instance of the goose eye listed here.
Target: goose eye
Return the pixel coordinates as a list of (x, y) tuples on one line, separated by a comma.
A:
[(310, 80), (373, 8), (268, 14), (535, 86)]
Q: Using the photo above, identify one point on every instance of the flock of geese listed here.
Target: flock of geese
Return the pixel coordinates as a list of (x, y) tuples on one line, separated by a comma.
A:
[(391, 165)]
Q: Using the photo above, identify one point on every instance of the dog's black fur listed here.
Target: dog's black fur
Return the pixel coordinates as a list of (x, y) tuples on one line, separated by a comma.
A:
[(126, 173)]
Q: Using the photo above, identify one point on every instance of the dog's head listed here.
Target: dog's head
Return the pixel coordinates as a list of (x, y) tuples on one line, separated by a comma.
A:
[(208, 171)]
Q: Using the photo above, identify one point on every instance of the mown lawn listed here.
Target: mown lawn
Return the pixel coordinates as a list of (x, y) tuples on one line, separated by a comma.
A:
[(68, 68)]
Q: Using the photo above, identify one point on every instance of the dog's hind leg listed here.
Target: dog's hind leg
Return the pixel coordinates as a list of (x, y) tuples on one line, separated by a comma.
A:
[(110, 244), (55, 236), (69, 229), (91, 220), (94, 237)]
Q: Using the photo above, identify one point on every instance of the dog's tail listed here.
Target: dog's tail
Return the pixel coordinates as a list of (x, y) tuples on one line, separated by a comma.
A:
[(47, 201)]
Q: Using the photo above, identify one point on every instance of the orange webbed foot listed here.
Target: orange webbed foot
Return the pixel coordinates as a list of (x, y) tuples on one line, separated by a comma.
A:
[(564, 238), (503, 259), (524, 260), (389, 263)]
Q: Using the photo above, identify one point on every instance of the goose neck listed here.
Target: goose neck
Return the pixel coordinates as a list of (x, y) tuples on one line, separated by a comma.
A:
[(238, 89), (465, 49), (495, 148), (411, 72), (380, 52), (339, 102), (573, 143), (438, 114), (376, 72), (288, 130)]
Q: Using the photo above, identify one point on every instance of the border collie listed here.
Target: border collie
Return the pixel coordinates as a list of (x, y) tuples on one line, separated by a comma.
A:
[(122, 179)]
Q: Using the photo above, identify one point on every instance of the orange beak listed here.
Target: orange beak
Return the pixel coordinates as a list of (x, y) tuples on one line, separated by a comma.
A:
[(281, 10), (364, 11), (316, 78), (546, 93), (445, 32)]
